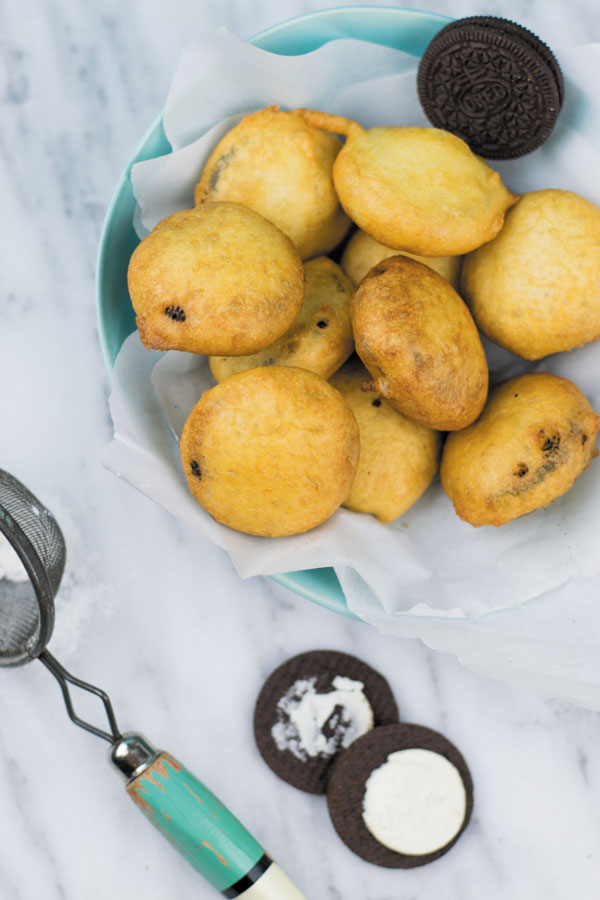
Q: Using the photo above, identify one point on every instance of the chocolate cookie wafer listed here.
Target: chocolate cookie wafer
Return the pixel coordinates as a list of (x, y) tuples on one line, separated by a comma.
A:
[(400, 796), (524, 34), (312, 708), (493, 83)]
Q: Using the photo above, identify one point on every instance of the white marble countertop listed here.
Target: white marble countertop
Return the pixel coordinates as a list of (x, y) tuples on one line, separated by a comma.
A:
[(156, 615)]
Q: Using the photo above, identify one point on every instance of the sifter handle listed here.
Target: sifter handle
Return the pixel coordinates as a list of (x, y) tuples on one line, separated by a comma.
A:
[(198, 825)]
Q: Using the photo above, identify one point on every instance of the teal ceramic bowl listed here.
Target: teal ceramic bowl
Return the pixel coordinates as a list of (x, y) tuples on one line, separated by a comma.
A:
[(404, 29)]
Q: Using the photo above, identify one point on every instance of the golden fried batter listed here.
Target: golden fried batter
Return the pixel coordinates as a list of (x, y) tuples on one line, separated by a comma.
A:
[(321, 337), (398, 458), (416, 189), (271, 451), (535, 289), (418, 340), (536, 435), (363, 252), (218, 279), (277, 164)]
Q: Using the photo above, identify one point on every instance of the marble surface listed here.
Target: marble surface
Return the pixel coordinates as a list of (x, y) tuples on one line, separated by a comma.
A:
[(156, 615)]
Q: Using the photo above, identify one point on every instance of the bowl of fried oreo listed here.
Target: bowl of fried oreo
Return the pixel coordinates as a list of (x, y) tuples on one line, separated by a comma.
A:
[(384, 309)]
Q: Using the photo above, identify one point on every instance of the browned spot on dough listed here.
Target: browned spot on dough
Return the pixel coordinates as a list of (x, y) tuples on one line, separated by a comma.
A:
[(536, 478), (176, 313), (551, 444), (369, 386)]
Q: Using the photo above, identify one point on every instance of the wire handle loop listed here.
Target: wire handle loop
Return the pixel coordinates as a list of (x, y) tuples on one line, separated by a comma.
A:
[(64, 679)]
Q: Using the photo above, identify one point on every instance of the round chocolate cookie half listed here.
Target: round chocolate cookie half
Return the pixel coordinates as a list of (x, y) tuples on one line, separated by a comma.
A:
[(312, 708), (524, 34), (493, 83), (400, 796)]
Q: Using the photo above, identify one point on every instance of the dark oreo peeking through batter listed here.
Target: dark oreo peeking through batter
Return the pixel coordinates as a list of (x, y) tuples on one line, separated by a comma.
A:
[(493, 83), (312, 708), (400, 796)]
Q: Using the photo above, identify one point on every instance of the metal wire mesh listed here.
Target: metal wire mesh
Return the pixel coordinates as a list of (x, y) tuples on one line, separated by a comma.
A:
[(19, 618), (37, 522), (26, 607)]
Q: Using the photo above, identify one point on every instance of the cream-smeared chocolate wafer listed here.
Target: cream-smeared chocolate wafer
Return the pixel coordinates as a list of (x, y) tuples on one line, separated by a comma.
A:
[(312, 708)]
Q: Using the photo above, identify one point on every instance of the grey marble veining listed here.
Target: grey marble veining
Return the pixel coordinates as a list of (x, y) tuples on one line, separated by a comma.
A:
[(80, 83)]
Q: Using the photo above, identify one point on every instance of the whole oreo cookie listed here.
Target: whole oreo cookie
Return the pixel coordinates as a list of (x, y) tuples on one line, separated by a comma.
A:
[(400, 796), (312, 708), (519, 31), (493, 83)]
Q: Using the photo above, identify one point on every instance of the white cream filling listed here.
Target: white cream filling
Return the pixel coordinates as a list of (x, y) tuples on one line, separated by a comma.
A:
[(303, 714), (415, 803)]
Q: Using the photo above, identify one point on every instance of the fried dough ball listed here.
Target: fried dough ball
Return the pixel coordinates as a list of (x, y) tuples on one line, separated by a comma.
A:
[(416, 189), (271, 451), (279, 165), (418, 340), (535, 289), (363, 252), (536, 435), (398, 458), (321, 337), (218, 279)]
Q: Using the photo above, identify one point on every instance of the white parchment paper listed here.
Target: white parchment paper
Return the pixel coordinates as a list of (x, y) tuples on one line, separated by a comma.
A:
[(517, 602)]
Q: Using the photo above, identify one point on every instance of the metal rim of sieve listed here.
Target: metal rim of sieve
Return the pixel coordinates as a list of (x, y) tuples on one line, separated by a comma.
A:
[(40, 581)]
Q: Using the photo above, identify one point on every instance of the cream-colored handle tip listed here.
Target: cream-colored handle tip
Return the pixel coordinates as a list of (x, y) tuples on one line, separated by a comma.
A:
[(273, 885)]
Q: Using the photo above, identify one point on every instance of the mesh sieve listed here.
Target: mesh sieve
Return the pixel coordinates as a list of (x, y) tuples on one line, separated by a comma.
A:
[(27, 607)]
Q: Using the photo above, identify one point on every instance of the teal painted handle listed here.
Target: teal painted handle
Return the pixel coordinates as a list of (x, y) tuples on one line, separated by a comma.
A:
[(195, 822)]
